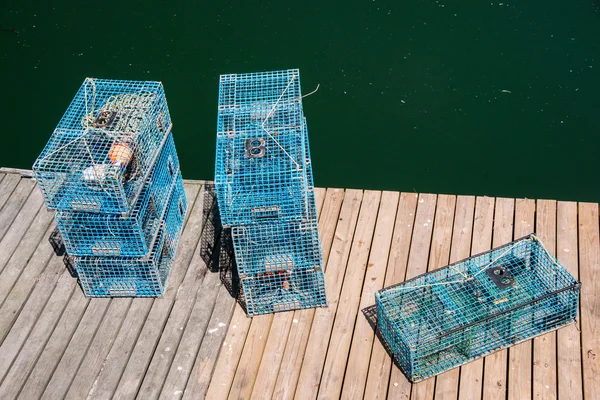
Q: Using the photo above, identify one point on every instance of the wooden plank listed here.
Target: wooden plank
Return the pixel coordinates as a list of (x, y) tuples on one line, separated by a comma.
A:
[(439, 255), (50, 357), (14, 204), (7, 186), (27, 173), (570, 381), (544, 347), (266, 377), (109, 375), (519, 356), (399, 387), (49, 300), (355, 378), (446, 385), (99, 350), (245, 374), (37, 234), (2, 174), (380, 363), (171, 335), (589, 271), (471, 374), (23, 310), (93, 324), (229, 357), (295, 346), (20, 225), (320, 331), (161, 307), (494, 365), (197, 360), (347, 308), (18, 356)]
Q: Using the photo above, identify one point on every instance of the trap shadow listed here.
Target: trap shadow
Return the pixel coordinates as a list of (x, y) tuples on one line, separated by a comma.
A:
[(216, 247)]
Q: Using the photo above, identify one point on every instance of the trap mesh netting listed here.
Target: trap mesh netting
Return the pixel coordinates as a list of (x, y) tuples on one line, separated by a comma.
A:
[(104, 147), (262, 156), (456, 314)]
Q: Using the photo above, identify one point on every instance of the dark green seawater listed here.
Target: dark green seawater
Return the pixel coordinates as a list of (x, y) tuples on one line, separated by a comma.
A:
[(463, 97)]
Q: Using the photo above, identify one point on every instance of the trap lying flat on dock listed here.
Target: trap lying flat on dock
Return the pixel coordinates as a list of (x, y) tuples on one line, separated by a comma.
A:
[(456, 314)]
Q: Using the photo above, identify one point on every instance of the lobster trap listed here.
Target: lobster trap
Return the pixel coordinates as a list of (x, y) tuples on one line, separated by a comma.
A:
[(103, 149), (132, 234), (272, 248), (262, 159), (136, 276), (283, 290), (464, 311)]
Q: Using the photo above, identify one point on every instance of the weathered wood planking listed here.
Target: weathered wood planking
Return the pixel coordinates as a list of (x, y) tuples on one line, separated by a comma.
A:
[(362, 340), (519, 356), (589, 272), (471, 375), (399, 386), (55, 343), (570, 381), (295, 346), (380, 363), (544, 347)]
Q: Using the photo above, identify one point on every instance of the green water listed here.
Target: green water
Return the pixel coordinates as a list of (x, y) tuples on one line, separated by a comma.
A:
[(469, 97)]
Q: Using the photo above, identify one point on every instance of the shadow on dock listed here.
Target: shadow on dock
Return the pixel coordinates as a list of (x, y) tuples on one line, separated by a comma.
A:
[(216, 247), (370, 314)]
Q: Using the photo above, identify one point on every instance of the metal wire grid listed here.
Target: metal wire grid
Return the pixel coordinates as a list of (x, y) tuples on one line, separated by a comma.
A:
[(261, 159), (136, 276), (456, 314), (93, 234), (274, 247), (104, 146), (283, 290)]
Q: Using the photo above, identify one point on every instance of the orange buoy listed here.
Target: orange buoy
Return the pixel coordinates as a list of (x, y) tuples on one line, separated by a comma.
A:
[(120, 154)]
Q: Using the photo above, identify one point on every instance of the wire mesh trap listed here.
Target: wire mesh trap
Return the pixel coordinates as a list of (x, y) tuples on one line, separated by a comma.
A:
[(104, 147), (265, 248), (456, 314), (262, 155), (94, 234), (136, 276)]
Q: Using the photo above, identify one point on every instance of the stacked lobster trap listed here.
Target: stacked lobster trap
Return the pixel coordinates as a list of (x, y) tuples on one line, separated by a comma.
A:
[(265, 191), (111, 172)]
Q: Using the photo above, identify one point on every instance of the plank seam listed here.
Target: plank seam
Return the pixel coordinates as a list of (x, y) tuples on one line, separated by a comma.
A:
[(362, 197), (46, 343), (86, 349)]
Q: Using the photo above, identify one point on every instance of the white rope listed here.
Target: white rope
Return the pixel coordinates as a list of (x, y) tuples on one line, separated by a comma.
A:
[(313, 92), (466, 279), (269, 116)]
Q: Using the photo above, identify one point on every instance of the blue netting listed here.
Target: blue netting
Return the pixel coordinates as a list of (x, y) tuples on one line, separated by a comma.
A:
[(137, 276), (456, 314), (103, 148), (261, 159), (283, 290), (263, 248), (93, 234)]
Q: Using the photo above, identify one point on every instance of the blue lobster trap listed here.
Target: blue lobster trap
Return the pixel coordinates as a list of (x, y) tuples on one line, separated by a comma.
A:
[(262, 159), (275, 247), (145, 276), (283, 290), (93, 234), (103, 149), (456, 314)]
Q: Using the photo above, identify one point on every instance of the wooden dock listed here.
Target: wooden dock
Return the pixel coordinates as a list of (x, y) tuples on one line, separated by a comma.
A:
[(195, 342)]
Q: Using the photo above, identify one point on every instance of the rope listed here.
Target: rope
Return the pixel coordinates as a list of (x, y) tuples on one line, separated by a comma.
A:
[(313, 92), (486, 266), (269, 116)]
